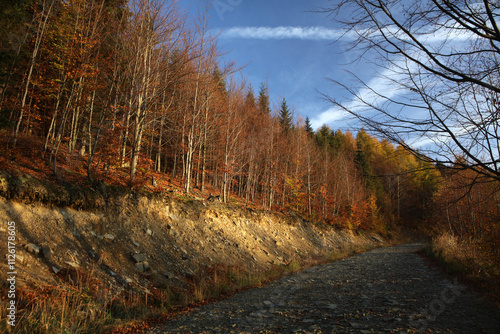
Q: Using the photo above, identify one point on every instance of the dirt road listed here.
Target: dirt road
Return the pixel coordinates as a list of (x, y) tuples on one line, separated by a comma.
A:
[(388, 290)]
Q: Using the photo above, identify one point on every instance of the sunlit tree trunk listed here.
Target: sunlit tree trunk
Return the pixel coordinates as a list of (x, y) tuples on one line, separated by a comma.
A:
[(45, 14)]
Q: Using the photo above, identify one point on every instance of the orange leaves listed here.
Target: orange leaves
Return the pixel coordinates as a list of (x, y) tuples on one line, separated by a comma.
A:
[(128, 102)]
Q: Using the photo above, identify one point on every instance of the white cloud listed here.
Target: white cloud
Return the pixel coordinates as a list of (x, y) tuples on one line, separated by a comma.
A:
[(322, 33), (329, 116), (384, 83), (266, 33)]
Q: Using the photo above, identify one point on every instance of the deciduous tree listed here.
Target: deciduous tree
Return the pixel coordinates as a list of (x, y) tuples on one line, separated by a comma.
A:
[(439, 61)]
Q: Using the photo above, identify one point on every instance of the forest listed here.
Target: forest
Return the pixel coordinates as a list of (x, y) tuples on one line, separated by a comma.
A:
[(135, 94)]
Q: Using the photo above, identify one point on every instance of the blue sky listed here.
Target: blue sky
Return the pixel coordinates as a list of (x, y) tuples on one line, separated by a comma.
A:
[(285, 45), (293, 49)]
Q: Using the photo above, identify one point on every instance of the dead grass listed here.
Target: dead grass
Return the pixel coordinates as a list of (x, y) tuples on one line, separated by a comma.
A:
[(356, 246), (223, 280), (468, 259), (463, 254), (83, 308)]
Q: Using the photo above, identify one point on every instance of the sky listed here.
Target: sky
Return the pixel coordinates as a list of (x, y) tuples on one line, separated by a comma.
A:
[(287, 45), (294, 49)]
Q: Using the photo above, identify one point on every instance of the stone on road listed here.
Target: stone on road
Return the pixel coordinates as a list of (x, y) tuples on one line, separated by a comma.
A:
[(387, 290)]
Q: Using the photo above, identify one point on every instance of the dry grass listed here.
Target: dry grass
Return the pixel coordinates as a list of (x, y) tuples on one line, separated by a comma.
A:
[(468, 259), (357, 246), (222, 280), (464, 254)]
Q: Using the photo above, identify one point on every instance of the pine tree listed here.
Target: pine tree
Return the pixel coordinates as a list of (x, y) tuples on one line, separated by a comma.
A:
[(361, 159), (264, 104), (285, 117), (323, 136), (308, 127)]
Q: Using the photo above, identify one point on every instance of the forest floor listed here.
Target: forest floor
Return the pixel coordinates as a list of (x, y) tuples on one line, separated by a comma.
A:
[(387, 290)]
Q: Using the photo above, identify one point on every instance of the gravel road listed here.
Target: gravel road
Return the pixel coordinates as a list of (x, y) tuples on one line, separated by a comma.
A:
[(387, 290)]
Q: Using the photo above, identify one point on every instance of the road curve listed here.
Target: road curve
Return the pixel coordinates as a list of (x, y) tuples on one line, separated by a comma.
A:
[(387, 290)]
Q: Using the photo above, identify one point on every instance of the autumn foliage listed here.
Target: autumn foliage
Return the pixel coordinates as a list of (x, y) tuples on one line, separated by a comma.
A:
[(131, 93)]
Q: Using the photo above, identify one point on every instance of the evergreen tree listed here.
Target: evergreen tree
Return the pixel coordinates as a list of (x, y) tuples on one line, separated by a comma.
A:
[(362, 162), (338, 141), (323, 135), (219, 80), (308, 127), (365, 160), (285, 117), (264, 104)]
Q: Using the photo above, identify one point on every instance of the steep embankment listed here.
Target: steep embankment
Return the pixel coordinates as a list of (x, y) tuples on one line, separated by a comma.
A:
[(153, 245)]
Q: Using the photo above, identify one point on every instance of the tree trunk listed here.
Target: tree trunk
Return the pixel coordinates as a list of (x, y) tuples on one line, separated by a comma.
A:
[(38, 41)]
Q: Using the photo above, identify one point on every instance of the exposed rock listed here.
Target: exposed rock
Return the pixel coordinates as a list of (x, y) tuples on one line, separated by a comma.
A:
[(46, 252), (377, 238), (143, 266), (20, 259), (200, 236), (32, 248), (139, 258), (168, 275), (268, 303)]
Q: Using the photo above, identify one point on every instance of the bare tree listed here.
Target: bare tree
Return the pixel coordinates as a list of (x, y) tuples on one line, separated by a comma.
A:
[(440, 73), (153, 26), (42, 19)]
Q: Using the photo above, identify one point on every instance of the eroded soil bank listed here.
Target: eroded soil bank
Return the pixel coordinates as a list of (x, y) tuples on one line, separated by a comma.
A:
[(154, 246)]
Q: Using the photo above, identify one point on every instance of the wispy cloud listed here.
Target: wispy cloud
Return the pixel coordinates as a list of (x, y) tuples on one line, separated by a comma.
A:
[(323, 33), (380, 84), (329, 116), (266, 33)]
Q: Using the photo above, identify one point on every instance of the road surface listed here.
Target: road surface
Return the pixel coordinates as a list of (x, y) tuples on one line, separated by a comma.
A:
[(387, 290)]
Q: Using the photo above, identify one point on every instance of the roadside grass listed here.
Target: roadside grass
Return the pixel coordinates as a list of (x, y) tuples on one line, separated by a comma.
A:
[(469, 260), (81, 304), (349, 249)]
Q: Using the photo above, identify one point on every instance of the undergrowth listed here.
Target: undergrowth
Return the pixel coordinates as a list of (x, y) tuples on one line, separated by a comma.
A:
[(468, 259)]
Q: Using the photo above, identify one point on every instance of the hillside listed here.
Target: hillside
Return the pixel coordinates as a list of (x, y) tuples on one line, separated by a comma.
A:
[(141, 170), (137, 255)]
